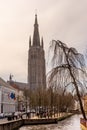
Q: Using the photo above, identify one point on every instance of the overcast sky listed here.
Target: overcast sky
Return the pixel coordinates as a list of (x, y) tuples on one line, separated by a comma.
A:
[(64, 20)]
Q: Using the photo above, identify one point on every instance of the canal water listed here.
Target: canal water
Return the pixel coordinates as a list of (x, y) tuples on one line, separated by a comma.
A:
[(72, 123)]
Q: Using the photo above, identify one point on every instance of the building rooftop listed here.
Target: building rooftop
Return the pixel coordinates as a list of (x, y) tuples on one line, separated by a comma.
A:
[(5, 84), (18, 85)]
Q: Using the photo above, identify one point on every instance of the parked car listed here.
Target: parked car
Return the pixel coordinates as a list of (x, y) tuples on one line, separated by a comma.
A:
[(18, 114), (10, 116), (6, 115), (1, 115)]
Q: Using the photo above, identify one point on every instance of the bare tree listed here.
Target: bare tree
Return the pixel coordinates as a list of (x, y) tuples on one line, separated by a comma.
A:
[(68, 68)]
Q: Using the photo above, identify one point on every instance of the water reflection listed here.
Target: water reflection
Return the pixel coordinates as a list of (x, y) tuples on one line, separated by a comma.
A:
[(72, 123)]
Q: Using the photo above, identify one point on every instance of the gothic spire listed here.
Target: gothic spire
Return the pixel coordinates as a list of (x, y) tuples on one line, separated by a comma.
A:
[(42, 42), (29, 41), (36, 37)]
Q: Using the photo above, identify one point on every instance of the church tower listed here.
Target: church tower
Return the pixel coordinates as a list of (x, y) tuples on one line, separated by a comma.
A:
[(36, 61)]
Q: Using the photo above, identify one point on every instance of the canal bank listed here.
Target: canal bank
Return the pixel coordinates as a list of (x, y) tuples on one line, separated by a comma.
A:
[(15, 124), (71, 123)]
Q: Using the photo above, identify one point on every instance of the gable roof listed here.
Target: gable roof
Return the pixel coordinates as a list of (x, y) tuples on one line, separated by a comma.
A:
[(5, 84), (18, 85)]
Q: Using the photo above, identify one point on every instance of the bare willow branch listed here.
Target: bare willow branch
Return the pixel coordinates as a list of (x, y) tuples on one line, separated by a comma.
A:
[(68, 67)]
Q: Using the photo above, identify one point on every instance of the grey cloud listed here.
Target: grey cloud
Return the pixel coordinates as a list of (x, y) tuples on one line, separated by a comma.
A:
[(65, 20)]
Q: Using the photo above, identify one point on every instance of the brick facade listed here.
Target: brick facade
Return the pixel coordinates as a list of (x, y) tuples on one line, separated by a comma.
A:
[(36, 61)]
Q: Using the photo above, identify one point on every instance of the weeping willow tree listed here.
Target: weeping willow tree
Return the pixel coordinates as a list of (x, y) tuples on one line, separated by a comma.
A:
[(68, 69)]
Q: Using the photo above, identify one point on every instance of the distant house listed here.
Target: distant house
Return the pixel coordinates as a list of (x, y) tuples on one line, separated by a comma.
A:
[(20, 87), (76, 105), (85, 103), (8, 97)]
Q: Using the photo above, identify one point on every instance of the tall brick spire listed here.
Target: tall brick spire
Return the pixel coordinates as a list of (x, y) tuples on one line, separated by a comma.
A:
[(36, 37), (36, 61)]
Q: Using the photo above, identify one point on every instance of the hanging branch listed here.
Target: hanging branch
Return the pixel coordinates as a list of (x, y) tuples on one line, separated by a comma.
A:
[(67, 64)]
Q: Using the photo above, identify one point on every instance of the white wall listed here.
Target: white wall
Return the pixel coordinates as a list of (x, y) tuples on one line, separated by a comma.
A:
[(0, 100), (9, 104)]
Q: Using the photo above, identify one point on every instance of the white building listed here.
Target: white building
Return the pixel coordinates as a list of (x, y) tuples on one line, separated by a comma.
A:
[(8, 97)]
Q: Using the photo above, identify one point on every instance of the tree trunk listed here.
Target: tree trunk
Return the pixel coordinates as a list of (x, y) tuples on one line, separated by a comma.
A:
[(75, 84), (77, 91)]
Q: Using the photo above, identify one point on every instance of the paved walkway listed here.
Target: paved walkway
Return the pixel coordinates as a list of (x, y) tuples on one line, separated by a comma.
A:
[(35, 117), (3, 120), (56, 116)]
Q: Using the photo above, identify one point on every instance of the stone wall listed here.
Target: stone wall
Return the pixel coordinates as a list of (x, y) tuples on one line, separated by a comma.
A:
[(15, 124), (11, 125), (40, 121)]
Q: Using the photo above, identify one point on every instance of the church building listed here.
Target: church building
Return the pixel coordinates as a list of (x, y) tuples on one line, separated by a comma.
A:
[(36, 60)]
